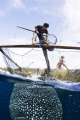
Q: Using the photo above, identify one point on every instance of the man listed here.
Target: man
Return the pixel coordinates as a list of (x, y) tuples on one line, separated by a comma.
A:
[(39, 30), (61, 62)]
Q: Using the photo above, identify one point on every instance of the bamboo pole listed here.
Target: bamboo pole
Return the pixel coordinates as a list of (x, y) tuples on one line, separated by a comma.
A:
[(25, 29), (37, 46), (33, 31), (46, 58)]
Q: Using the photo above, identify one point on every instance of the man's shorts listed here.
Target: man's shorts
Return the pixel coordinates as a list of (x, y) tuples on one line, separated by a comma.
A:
[(60, 63), (34, 35), (40, 36)]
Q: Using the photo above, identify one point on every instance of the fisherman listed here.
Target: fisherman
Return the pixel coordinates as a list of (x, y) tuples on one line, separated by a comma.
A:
[(39, 30), (61, 62)]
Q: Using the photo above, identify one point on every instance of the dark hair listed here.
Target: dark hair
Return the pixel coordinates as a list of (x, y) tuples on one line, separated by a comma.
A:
[(46, 24)]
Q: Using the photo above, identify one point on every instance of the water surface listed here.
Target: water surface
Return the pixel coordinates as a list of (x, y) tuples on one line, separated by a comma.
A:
[(69, 100)]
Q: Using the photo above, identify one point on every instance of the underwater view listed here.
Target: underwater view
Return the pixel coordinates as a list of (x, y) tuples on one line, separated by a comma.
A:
[(39, 60), (33, 99)]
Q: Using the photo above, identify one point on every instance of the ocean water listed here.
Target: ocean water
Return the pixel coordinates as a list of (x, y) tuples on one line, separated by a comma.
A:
[(6, 89), (60, 104)]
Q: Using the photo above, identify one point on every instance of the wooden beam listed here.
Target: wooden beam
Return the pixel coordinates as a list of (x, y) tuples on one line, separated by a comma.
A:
[(37, 46)]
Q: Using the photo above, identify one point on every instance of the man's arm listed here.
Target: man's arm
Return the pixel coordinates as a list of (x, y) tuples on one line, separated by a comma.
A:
[(36, 30), (47, 37)]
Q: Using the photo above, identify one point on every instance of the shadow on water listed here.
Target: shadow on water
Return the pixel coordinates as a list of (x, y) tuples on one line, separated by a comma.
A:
[(70, 102)]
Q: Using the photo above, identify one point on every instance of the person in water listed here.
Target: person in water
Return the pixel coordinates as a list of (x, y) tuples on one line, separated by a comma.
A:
[(60, 63), (39, 30)]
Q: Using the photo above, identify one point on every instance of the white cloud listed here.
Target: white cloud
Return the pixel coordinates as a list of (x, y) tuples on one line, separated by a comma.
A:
[(71, 11), (17, 4), (71, 20)]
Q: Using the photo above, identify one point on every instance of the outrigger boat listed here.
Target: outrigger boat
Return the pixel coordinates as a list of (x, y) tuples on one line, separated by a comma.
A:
[(42, 45), (44, 48)]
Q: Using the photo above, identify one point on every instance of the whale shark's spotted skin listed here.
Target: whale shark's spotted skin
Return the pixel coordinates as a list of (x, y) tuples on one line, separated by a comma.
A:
[(34, 102)]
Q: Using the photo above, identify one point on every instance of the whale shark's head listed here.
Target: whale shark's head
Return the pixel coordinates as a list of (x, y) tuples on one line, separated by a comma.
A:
[(34, 102)]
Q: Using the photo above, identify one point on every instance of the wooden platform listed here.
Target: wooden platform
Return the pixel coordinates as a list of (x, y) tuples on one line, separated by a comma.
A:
[(37, 46)]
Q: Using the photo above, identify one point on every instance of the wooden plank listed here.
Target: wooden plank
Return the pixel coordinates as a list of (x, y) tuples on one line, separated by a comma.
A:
[(37, 46)]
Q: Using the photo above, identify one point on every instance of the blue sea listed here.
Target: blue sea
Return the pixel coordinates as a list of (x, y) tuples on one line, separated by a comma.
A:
[(69, 99)]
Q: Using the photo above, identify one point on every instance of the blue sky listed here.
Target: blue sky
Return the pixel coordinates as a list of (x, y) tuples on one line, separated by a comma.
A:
[(64, 20)]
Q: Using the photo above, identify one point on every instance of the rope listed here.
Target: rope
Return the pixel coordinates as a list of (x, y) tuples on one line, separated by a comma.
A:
[(19, 54), (7, 50), (66, 51)]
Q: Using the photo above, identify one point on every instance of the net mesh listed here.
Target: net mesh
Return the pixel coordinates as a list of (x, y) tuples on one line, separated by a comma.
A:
[(23, 65), (15, 62), (12, 66), (20, 64)]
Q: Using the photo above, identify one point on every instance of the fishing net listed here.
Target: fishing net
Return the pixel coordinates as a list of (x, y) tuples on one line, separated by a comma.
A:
[(24, 64), (14, 61), (12, 66), (20, 64)]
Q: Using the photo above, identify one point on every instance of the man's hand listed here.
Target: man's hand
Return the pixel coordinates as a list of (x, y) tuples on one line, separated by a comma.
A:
[(37, 32)]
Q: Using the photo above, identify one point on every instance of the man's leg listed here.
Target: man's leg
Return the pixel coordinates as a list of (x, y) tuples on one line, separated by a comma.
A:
[(34, 38)]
